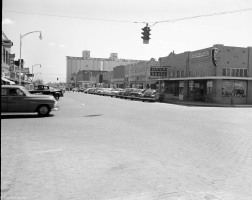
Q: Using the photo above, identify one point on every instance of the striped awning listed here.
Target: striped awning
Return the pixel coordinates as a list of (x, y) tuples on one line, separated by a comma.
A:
[(8, 81)]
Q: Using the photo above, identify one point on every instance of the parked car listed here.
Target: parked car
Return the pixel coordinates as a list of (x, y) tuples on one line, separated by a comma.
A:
[(107, 92), (150, 95), (119, 94), (136, 93), (45, 89), (115, 91), (80, 89), (17, 99), (93, 91), (75, 89), (126, 93), (86, 90)]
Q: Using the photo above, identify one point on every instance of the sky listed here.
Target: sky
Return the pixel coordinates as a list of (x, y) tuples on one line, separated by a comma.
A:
[(114, 26)]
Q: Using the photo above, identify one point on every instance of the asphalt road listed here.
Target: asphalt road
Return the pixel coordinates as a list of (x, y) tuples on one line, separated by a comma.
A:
[(103, 148)]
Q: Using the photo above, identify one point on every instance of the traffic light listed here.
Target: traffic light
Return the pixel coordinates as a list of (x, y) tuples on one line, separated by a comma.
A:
[(57, 79), (146, 34)]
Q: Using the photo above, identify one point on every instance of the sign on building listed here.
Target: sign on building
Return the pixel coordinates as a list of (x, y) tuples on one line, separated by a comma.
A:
[(156, 72)]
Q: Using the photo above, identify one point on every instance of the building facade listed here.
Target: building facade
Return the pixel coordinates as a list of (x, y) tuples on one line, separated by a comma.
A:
[(218, 74), (6, 60), (75, 64)]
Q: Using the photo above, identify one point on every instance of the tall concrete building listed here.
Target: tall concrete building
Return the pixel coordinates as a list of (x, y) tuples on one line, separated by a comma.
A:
[(76, 64)]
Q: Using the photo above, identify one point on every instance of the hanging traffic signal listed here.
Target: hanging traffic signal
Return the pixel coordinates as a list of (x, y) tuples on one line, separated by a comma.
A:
[(146, 34)]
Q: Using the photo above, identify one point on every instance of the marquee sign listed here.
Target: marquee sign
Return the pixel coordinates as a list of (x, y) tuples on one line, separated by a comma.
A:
[(158, 71), (214, 56)]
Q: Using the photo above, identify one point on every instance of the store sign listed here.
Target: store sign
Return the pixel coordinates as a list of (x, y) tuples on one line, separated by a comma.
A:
[(200, 54), (25, 70), (214, 56), (30, 75), (158, 71)]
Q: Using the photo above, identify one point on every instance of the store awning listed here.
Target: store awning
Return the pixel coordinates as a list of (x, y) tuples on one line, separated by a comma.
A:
[(150, 82), (8, 81)]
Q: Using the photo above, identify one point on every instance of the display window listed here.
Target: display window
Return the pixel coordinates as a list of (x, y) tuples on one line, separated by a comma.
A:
[(234, 88)]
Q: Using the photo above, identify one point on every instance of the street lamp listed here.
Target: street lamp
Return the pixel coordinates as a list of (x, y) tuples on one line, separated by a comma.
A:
[(21, 36), (32, 70)]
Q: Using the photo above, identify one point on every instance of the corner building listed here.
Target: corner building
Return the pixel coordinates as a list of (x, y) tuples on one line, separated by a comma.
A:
[(218, 74)]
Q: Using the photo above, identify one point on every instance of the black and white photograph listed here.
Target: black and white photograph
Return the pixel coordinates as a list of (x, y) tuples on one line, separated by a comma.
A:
[(126, 100)]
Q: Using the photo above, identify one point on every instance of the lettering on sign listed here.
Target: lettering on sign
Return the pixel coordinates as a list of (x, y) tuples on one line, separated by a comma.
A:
[(158, 71), (200, 54)]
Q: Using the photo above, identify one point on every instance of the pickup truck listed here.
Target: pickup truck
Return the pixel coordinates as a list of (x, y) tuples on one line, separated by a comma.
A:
[(44, 89)]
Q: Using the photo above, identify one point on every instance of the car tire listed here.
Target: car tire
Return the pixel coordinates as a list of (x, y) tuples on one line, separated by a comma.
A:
[(43, 110)]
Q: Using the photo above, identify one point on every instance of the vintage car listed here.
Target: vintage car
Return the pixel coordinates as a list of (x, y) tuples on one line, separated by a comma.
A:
[(136, 93), (44, 89), (150, 95), (17, 99)]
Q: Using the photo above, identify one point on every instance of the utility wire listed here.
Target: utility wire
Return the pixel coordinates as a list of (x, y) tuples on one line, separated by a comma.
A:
[(123, 21)]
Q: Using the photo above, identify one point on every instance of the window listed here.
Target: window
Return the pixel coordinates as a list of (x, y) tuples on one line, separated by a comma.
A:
[(241, 72), (245, 72), (182, 73), (235, 88), (4, 92), (178, 74), (228, 72), (237, 72), (224, 72), (233, 72)]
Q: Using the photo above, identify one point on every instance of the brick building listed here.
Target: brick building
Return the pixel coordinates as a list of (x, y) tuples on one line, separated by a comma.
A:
[(219, 74)]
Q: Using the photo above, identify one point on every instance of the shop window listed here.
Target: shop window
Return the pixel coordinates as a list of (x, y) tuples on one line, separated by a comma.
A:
[(240, 89), (235, 88), (227, 88)]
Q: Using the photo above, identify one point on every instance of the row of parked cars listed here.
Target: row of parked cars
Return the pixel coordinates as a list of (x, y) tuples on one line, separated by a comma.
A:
[(128, 93)]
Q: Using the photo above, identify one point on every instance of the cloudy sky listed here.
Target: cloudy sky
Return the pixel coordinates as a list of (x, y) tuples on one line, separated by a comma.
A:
[(114, 26)]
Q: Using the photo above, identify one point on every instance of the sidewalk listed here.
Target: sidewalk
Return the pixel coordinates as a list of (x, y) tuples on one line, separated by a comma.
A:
[(204, 104)]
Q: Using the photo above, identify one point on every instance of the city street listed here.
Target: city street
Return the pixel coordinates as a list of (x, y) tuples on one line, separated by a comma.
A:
[(103, 148)]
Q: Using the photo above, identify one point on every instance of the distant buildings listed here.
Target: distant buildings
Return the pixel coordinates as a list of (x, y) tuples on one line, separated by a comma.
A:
[(76, 64)]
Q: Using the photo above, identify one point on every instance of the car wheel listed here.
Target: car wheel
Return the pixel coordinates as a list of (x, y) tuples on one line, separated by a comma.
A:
[(43, 110), (57, 97)]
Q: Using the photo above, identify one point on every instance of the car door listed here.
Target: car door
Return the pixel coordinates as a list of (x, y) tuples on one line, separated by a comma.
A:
[(17, 101), (4, 100)]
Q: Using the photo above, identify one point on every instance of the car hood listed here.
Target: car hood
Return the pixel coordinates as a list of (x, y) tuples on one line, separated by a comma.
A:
[(42, 96)]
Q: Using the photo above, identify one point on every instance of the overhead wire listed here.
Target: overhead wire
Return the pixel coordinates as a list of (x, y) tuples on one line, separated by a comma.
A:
[(125, 21)]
